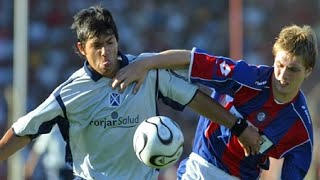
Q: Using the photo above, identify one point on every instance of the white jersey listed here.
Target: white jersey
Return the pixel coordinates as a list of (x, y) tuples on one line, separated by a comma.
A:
[(98, 122)]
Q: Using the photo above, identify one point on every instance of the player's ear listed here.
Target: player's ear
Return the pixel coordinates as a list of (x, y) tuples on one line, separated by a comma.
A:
[(81, 48), (308, 72)]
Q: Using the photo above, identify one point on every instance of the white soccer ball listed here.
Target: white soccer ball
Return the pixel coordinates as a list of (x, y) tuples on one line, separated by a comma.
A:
[(158, 142)]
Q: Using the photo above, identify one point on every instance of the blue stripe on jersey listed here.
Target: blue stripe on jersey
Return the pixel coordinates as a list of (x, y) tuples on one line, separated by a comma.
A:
[(255, 77), (296, 168), (63, 107), (303, 111), (64, 124), (202, 145), (280, 125)]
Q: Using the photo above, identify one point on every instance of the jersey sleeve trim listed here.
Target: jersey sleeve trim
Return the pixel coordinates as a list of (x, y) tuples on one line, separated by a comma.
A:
[(310, 135), (63, 107), (192, 97), (191, 63)]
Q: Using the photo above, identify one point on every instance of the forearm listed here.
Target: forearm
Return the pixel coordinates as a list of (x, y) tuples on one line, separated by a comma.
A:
[(209, 108), (248, 136), (10, 143), (169, 59), (31, 163)]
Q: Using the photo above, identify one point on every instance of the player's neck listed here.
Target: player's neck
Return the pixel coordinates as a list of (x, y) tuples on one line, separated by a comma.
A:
[(281, 97)]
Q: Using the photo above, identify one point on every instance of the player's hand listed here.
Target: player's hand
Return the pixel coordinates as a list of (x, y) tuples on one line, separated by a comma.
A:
[(250, 141), (133, 72)]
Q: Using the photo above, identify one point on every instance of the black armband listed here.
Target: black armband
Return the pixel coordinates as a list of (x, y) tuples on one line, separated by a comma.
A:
[(238, 127)]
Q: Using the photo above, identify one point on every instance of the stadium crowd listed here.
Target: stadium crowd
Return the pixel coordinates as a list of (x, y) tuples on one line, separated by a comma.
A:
[(149, 25)]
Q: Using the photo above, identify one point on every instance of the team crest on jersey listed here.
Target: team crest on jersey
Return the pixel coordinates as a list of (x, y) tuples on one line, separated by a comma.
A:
[(114, 99), (261, 116)]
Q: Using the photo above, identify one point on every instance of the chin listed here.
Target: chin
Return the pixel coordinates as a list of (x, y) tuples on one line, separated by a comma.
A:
[(287, 92), (283, 90)]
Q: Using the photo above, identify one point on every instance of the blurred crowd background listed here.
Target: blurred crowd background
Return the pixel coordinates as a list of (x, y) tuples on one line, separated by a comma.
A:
[(148, 25)]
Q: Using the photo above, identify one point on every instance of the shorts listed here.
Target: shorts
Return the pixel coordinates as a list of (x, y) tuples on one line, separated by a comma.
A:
[(197, 168)]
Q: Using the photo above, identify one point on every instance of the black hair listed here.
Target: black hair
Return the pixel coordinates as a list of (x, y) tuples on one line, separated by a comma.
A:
[(94, 21)]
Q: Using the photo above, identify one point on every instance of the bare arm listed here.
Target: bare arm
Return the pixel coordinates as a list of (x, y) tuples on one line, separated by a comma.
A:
[(10, 143), (136, 71), (206, 106), (169, 59), (31, 163)]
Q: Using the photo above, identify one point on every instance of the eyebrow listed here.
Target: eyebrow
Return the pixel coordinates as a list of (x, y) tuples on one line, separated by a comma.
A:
[(295, 65), (99, 40), (110, 38)]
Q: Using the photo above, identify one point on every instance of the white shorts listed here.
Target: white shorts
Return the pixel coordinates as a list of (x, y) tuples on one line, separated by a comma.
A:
[(198, 168)]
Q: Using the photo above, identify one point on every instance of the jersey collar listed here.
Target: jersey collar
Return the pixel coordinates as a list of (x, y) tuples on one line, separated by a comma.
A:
[(95, 76)]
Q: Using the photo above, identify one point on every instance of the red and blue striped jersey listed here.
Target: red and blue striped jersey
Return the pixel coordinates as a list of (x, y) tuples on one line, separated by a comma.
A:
[(246, 91)]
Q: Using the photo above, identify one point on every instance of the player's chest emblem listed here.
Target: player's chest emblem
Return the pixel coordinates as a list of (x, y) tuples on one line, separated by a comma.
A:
[(261, 116), (114, 99)]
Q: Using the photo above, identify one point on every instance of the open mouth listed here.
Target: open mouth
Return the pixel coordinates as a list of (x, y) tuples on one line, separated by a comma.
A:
[(283, 84)]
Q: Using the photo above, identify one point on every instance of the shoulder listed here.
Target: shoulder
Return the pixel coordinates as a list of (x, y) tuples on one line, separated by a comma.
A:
[(255, 76), (77, 80), (79, 88), (132, 58)]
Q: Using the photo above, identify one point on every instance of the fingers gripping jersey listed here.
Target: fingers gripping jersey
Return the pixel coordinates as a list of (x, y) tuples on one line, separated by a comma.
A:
[(246, 91), (98, 122)]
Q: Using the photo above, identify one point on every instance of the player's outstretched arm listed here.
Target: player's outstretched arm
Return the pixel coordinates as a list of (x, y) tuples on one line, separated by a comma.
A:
[(206, 106), (136, 71), (10, 143)]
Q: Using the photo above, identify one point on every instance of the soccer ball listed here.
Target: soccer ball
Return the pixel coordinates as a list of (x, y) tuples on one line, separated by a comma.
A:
[(158, 142)]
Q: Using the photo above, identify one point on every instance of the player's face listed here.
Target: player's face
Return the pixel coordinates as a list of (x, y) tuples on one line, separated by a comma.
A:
[(102, 54), (289, 74)]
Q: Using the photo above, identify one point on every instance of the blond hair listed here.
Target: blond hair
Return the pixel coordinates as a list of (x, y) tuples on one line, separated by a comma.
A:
[(298, 41)]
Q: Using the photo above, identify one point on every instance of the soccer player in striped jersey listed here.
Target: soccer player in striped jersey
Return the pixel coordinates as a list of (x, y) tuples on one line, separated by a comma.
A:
[(98, 122), (269, 98)]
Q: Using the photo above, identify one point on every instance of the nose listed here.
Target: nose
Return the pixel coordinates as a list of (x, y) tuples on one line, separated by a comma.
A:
[(284, 73), (104, 50)]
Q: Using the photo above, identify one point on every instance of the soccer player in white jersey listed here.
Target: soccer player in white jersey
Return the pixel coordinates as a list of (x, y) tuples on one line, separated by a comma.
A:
[(98, 122)]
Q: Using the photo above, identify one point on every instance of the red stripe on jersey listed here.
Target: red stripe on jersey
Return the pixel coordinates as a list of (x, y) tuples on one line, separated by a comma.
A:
[(234, 152), (232, 156), (296, 135), (228, 106), (203, 66), (210, 129), (209, 67), (270, 109), (214, 126), (244, 95)]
